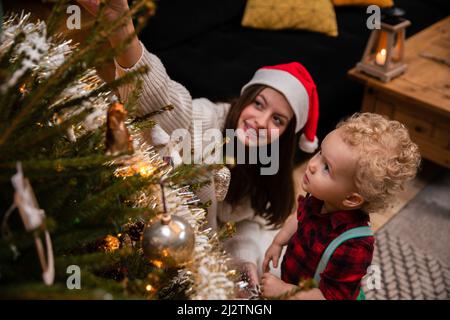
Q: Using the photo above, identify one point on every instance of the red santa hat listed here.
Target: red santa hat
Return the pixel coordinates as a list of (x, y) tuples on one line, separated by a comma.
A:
[(296, 84)]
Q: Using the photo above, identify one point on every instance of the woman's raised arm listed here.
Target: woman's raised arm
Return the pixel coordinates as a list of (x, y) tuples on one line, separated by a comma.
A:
[(114, 9), (158, 89)]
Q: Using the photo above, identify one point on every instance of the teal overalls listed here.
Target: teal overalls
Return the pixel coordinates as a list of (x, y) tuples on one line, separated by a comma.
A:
[(358, 232)]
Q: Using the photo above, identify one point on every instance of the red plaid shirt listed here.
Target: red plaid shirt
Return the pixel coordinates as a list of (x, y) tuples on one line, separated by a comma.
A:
[(341, 279)]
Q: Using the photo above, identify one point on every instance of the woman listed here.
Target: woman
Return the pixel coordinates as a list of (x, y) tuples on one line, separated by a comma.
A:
[(278, 102)]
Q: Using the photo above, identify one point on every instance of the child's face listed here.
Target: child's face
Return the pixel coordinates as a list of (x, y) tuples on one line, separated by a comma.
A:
[(265, 119), (330, 174)]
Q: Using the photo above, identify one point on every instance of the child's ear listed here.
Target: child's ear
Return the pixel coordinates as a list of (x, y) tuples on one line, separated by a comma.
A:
[(353, 201)]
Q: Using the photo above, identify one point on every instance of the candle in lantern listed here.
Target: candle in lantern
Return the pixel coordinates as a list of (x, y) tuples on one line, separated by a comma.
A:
[(380, 58)]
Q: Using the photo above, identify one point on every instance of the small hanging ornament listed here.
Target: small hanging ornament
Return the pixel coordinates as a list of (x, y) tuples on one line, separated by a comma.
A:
[(168, 241), (33, 219), (118, 139), (222, 178)]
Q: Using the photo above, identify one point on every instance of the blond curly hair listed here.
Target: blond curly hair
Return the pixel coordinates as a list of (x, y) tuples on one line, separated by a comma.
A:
[(387, 157)]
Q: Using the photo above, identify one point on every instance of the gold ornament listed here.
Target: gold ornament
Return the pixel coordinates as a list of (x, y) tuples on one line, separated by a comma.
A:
[(110, 243), (168, 241), (222, 178)]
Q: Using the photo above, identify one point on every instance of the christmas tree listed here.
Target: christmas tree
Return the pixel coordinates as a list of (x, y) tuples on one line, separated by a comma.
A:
[(82, 194)]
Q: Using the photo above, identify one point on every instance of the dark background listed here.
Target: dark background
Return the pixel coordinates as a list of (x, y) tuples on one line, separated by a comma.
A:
[(204, 47)]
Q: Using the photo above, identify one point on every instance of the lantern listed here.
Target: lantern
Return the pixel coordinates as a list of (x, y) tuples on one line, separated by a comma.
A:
[(383, 57)]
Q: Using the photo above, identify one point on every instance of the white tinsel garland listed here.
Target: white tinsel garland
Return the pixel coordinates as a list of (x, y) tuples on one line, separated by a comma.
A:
[(209, 272), (208, 276), (43, 57), (32, 48)]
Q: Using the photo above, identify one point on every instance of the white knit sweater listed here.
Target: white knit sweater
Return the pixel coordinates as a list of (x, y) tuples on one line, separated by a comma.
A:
[(252, 237)]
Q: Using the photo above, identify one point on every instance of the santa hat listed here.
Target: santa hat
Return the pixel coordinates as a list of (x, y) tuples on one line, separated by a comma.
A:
[(296, 84)]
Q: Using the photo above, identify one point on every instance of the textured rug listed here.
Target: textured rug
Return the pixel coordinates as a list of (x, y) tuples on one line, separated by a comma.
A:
[(412, 254)]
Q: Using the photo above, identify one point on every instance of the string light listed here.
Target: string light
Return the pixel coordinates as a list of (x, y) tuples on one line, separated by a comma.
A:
[(157, 263), (23, 89)]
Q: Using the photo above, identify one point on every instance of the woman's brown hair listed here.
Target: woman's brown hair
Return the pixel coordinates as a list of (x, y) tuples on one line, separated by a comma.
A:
[(272, 196)]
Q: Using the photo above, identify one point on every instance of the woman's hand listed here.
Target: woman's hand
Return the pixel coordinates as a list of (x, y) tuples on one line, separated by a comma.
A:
[(113, 11), (272, 286), (272, 253), (250, 269), (114, 8), (251, 272)]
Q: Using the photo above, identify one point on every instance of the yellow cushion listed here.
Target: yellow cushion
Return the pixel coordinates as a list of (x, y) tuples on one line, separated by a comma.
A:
[(313, 15), (381, 3)]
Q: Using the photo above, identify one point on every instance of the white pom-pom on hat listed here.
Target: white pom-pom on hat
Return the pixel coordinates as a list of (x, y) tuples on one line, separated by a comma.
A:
[(307, 145)]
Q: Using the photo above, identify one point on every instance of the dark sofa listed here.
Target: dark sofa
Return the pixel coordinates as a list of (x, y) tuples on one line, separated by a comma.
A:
[(204, 47)]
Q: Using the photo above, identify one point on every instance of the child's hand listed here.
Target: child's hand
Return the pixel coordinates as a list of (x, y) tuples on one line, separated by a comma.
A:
[(272, 253), (272, 286)]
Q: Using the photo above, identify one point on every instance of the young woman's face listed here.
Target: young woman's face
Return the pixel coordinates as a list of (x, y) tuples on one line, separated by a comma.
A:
[(264, 119)]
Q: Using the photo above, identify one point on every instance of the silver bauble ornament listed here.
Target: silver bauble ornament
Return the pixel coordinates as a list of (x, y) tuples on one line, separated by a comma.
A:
[(168, 241)]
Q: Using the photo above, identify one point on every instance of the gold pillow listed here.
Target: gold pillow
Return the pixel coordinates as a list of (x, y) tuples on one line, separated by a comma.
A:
[(380, 3), (313, 15)]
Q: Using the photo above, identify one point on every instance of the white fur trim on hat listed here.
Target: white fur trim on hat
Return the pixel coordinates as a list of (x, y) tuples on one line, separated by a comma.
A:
[(308, 146), (289, 86)]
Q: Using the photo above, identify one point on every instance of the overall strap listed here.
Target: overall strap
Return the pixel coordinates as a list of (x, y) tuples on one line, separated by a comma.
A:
[(358, 232)]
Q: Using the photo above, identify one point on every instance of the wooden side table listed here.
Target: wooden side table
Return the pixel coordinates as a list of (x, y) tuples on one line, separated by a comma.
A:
[(420, 98)]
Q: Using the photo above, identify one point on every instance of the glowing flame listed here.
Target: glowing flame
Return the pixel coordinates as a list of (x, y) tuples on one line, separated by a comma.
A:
[(380, 58)]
